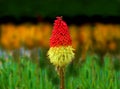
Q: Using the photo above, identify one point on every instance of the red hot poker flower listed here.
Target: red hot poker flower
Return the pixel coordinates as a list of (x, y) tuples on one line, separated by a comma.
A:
[(61, 51)]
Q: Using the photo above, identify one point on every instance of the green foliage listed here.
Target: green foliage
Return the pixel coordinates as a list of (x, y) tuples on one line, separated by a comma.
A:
[(90, 75)]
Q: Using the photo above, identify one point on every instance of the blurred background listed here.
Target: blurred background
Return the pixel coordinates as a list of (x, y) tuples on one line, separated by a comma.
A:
[(25, 29)]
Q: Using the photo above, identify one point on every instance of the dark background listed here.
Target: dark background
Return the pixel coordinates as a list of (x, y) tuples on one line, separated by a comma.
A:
[(72, 10)]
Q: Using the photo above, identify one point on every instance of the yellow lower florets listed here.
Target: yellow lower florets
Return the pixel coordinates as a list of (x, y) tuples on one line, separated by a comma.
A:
[(61, 56)]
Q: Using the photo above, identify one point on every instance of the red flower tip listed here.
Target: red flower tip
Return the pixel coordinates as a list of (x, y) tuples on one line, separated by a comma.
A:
[(60, 34), (59, 17)]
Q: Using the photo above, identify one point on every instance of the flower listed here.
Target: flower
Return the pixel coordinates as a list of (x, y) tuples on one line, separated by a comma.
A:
[(61, 51)]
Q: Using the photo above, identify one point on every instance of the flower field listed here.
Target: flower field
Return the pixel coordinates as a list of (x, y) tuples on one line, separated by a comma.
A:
[(24, 61), (100, 38)]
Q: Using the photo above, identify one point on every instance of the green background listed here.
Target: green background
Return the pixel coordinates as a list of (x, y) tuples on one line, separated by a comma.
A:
[(52, 8)]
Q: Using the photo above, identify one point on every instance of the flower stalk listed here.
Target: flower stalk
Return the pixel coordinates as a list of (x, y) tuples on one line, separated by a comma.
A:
[(62, 86)]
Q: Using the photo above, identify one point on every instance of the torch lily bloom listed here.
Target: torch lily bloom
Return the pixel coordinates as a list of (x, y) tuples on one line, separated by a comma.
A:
[(61, 51)]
